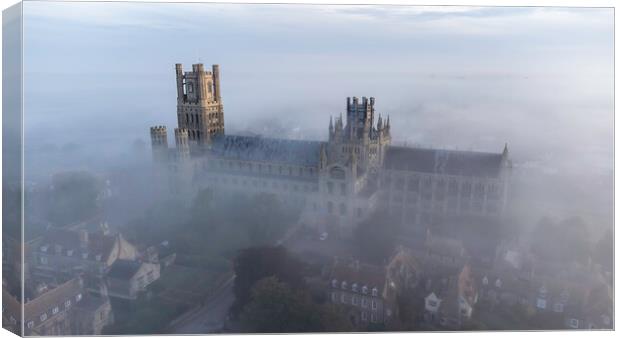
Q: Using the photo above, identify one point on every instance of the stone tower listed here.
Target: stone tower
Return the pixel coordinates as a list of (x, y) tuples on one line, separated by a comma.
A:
[(360, 135), (199, 103), (181, 138), (159, 143)]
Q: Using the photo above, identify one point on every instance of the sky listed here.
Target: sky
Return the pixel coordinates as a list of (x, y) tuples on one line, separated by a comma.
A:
[(98, 75)]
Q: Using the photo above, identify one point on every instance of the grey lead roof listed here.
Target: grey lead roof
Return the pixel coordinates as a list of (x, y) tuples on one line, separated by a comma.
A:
[(449, 162), (257, 148)]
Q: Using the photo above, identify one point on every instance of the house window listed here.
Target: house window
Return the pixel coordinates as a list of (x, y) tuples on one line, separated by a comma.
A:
[(69, 253), (55, 310), (354, 287), (375, 292), (541, 303), (365, 290), (343, 299), (343, 208), (354, 300), (364, 302), (343, 189), (43, 317), (43, 260), (334, 283), (67, 303), (330, 187), (344, 285), (334, 297), (330, 207), (374, 304), (78, 297), (373, 317), (30, 324), (574, 323), (364, 316), (558, 307)]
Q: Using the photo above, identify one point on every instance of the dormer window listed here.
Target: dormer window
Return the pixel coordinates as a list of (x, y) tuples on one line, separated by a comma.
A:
[(375, 292), (365, 289), (574, 323), (354, 287), (43, 317), (343, 285), (334, 283)]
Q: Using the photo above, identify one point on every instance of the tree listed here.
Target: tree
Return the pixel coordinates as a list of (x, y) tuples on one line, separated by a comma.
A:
[(256, 263), (276, 307), (73, 197)]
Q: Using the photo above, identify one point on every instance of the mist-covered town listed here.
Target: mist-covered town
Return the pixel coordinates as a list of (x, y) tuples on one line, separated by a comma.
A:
[(216, 220)]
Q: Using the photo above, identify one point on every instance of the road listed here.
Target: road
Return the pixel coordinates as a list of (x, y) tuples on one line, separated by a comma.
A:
[(211, 317)]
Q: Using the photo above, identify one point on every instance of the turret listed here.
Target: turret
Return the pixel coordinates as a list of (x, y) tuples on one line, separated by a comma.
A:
[(159, 143), (181, 137), (180, 90), (216, 83)]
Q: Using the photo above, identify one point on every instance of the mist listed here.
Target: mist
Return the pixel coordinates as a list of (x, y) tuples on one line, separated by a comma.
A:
[(538, 79)]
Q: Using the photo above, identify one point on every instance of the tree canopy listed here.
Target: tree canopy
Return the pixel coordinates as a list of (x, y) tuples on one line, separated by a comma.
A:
[(256, 263), (276, 307)]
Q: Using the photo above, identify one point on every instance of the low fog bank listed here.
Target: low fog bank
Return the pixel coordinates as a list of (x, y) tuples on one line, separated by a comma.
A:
[(559, 132)]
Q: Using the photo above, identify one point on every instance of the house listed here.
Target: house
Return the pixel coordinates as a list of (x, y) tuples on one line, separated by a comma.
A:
[(57, 310), (361, 289), (66, 253), (127, 278), (450, 299)]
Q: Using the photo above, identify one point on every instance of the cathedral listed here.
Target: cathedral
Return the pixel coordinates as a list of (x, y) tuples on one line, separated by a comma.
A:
[(337, 183)]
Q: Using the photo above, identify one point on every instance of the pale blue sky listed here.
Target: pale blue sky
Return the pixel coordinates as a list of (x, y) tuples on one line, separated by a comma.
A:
[(539, 78)]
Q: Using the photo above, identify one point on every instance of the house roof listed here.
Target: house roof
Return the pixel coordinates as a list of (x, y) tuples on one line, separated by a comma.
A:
[(97, 243), (257, 148), (124, 269), (10, 305), (360, 273), (52, 298), (445, 162)]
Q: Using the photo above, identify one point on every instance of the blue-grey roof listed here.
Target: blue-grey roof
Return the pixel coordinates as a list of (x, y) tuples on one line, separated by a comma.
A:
[(257, 148), (448, 162)]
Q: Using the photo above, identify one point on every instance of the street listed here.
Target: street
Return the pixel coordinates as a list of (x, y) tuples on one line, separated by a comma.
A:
[(211, 317)]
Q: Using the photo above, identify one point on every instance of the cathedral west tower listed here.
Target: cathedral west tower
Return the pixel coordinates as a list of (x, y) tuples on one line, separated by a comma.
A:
[(199, 103)]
